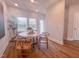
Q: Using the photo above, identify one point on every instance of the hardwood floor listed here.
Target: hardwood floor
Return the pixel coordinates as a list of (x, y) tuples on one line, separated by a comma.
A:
[(70, 49)]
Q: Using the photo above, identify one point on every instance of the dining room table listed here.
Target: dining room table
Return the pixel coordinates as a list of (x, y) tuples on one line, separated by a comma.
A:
[(33, 36)]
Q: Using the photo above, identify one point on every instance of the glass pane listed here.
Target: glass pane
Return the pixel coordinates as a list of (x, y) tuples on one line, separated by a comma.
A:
[(33, 23), (41, 26), (22, 24)]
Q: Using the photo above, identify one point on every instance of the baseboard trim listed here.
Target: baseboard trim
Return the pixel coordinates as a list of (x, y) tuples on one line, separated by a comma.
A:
[(53, 40), (70, 39)]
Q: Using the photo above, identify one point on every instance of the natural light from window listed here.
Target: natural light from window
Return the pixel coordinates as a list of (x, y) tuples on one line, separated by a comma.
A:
[(41, 26), (33, 23), (22, 24)]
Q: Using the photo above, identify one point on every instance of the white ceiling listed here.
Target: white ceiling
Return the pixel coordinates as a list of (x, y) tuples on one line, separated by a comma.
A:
[(41, 5)]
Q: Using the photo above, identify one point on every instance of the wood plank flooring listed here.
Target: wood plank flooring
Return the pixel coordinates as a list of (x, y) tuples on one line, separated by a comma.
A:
[(69, 50)]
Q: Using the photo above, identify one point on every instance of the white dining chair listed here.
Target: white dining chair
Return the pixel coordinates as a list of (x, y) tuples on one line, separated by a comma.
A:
[(43, 38)]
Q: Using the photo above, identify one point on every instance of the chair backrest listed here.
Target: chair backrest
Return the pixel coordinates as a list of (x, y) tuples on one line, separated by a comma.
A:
[(29, 39), (18, 44), (45, 34)]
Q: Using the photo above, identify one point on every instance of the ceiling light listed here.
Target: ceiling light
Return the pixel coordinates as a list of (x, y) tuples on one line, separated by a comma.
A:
[(16, 4), (37, 10), (32, 1)]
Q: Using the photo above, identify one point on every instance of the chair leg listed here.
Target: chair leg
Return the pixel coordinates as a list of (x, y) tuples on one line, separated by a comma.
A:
[(39, 44), (47, 43)]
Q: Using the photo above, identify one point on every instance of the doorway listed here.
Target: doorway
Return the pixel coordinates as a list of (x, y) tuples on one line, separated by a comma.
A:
[(76, 27)]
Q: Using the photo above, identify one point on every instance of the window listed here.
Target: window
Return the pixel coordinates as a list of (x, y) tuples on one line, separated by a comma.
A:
[(22, 24), (41, 26), (33, 23)]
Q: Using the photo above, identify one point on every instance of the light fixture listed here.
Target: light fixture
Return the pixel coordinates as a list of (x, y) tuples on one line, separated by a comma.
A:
[(37, 10), (16, 4), (32, 1)]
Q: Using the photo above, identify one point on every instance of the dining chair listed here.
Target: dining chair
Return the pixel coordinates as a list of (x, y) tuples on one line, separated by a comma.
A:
[(23, 47), (18, 48), (43, 38), (27, 48)]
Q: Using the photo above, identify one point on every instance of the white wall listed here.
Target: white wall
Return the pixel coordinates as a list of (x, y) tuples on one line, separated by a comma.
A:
[(5, 40), (55, 21)]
